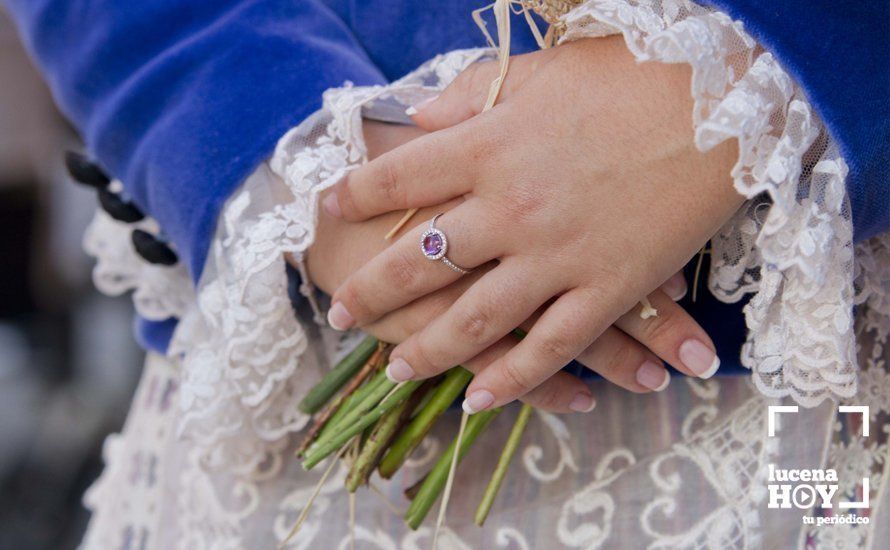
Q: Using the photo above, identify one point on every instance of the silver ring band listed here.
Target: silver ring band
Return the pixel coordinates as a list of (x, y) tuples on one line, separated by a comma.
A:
[(434, 246)]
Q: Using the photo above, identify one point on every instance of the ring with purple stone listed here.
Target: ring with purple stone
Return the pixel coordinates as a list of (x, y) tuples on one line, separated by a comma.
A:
[(434, 245)]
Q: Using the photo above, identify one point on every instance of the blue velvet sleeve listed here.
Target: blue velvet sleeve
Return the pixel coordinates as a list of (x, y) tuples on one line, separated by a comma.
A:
[(839, 52), (183, 99)]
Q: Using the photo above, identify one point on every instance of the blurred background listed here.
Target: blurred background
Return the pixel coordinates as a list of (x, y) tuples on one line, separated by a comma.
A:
[(68, 361)]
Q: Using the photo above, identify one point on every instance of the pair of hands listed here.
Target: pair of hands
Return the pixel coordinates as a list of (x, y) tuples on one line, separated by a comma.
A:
[(573, 198)]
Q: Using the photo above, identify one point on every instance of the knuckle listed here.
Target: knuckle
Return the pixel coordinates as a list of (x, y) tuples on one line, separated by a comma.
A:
[(516, 378), (473, 324), (403, 272), (624, 357), (524, 201), (549, 397), (346, 196), (423, 359), (387, 183), (557, 347), (354, 303), (659, 330)]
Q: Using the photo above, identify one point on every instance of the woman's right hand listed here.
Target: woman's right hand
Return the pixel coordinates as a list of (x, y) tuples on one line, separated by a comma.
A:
[(628, 353)]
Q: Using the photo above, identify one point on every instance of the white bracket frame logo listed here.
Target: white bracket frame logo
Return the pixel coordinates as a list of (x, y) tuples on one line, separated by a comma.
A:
[(772, 427)]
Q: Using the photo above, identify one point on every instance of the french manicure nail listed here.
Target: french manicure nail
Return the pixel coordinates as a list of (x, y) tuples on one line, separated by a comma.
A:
[(399, 371), (417, 107), (339, 317), (699, 358), (582, 403), (477, 401), (675, 287), (653, 376), (331, 205)]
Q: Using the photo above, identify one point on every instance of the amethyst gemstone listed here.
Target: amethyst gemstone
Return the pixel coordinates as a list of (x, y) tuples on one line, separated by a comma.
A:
[(432, 244)]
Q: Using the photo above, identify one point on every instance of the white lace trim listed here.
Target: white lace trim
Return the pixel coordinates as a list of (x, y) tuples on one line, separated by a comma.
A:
[(160, 292), (791, 243)]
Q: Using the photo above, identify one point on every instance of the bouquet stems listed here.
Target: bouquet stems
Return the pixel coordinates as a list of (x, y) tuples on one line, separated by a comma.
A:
[(355, 424), (381, 436), (373, 396), (336, 405), (382, 423), (500, 471), (338, 376), (435, 481), (445, 393), (350, 403)]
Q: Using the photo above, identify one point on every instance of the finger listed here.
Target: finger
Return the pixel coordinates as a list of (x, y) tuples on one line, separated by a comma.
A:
[(565, 329), (623, 361), (464, 98), (674, 336), (427, 171), (467, 94), (397, 326), (402, 273), (486, 312), (676, 286), (561, 393)]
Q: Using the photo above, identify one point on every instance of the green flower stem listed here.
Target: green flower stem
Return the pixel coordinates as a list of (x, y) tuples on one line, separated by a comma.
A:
[(339, 375), (445, 393), (370, 400), (337, 439), (497, 478), (435, 481), (321, 419), (350, 404), (381, 434)]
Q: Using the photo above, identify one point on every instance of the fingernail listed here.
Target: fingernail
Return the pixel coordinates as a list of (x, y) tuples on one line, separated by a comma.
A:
[(339, 317), (399, 371), (477, 401), (699, 358), (331, 205), (653, 376), (419, 106), (675, 287), (582, 403)]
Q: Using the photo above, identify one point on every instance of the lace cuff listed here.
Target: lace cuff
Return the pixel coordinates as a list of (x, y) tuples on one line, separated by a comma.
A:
[(792, 242), (159, 292)]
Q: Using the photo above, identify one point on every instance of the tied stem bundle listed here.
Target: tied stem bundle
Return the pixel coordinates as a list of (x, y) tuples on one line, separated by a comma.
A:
[(372, 423)]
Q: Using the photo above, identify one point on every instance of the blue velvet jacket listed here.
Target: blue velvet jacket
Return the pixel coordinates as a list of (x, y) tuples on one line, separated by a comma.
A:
[(182, 99)]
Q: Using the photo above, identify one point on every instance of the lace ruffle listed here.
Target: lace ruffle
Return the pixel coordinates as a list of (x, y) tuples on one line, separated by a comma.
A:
[(159, 292), (792, 242)]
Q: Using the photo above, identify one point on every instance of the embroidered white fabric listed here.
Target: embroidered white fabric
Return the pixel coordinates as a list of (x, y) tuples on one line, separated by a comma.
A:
[(204, 460)]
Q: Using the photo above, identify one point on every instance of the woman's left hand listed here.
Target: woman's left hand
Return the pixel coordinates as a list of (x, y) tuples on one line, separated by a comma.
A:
[(583, 183)]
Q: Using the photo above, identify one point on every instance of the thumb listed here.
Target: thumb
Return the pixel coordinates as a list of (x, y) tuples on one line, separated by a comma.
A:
[(465, 97)]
